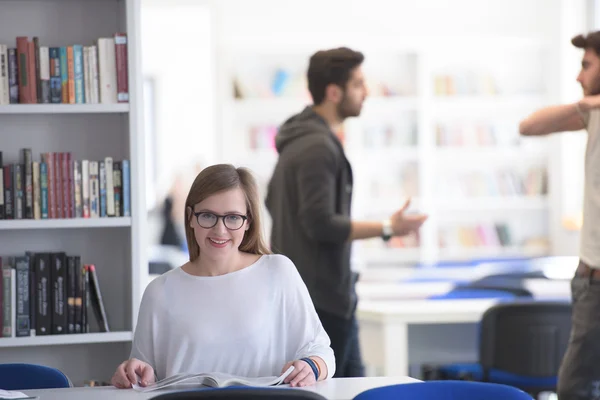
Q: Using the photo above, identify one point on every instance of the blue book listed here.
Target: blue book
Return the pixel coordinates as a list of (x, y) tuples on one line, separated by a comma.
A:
[(126, 193), (55, 75), (64, 75), (78, 72), (44, 189)]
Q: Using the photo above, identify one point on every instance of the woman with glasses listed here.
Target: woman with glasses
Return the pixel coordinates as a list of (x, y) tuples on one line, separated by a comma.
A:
[(234, 308)]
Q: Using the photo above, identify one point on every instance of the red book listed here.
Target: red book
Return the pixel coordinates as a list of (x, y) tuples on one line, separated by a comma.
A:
[(121, 61)]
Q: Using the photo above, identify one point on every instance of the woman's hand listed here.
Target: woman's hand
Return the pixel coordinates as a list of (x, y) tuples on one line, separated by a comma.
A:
[(302, 375), (127, 374)]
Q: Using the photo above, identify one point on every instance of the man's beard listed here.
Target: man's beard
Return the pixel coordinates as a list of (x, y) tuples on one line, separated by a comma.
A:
[(594, 89), (345, 109)]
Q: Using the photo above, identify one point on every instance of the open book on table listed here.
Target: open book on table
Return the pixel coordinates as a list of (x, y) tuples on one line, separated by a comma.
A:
[(215, 379)]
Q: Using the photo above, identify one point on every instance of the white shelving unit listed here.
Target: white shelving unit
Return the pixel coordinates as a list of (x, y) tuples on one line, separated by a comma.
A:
[(116, 246), (394, 146)]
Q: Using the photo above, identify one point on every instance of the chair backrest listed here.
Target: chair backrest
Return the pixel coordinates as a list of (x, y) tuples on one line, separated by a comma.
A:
[(241, 393), (31, 376), (445, 390), (525, 338)]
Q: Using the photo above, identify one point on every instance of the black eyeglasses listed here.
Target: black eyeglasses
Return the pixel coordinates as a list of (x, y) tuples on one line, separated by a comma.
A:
[(207, 220)]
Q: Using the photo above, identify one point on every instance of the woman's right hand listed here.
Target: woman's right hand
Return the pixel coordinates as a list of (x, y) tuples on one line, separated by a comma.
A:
[(128, 371)]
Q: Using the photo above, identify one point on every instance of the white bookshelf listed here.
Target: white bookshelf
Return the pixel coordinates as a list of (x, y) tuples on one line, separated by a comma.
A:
[(64, 108), (65, 223), (393, 146), (54, 340), (116, 246)]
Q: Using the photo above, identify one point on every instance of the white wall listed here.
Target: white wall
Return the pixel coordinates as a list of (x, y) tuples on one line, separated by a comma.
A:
[(177, 51)]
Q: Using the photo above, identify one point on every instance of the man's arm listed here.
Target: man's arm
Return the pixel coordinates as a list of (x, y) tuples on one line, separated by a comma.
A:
[(568, 117)]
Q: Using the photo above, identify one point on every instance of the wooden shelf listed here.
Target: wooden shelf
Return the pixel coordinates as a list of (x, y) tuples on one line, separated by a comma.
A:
[(53, 340), (65, 223), (65, 108)]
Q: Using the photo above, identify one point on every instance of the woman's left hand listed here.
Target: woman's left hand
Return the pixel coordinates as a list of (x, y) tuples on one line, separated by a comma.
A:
[(302, 375)]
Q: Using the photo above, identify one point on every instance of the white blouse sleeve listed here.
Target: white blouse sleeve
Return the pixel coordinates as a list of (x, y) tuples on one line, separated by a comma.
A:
[(143, 338), (305, 330)]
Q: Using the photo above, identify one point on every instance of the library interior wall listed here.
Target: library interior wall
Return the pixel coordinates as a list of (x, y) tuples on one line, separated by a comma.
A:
[(200, 34)]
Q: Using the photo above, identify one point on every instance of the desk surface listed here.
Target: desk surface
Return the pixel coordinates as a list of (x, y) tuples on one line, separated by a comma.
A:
[(335, 389)]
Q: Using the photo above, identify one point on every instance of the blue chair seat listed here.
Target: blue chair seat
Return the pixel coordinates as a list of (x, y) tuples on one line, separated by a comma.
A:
[(474, 371), (30, 376)]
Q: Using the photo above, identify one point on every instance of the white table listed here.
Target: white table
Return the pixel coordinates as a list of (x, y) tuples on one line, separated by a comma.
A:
[(335, 389), (395, 334), (387, 344)]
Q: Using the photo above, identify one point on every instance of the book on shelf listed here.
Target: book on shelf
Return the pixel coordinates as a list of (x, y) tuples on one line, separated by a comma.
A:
[(49, 293), (58, 186), (215, 379), (31, 73)]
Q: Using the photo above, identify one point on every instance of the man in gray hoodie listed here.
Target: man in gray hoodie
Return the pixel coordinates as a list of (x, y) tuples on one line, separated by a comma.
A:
[(310, 194)]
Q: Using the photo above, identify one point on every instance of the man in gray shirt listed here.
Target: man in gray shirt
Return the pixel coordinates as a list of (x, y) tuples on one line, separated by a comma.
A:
[(310, 194), (579, 375)]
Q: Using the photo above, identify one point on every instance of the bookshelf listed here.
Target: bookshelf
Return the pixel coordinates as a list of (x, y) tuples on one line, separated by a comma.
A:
[(440, 125), (115, 245)]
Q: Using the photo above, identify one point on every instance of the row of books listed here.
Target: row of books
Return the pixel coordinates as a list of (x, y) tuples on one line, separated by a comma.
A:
[(504, 182), (389, 135), (76, 74), (48, 294), (60, 187), (477, 134), (480, 235)]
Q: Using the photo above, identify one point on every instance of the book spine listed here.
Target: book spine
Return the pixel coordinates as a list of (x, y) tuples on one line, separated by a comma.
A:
[(107, 71), (23, 70), (121, 67), (37, 196), (6, 297), (71, 191), (18, 185), (38, 70), (72, 276), (22, 285), (94, 190), (102, 179), (78, 295), (31, 259), (43, 295), (49, 161), (13, 73), (44, 74), (59, 293), (87, 75), (126, 188), (96, 299), (64, 75), (78, 74), (85, 187), (66, 199), (44, 189), (117, 188), (2, 216), (71, 73), (28, 186), (33, 58), (55, 75), (85, 300), (77, 184), (4, 85), (8, 191), (94, 74), (57, 178), (110, 189)]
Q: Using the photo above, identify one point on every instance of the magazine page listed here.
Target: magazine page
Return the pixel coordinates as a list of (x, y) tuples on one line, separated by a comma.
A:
[(214, 379), (260, 381)]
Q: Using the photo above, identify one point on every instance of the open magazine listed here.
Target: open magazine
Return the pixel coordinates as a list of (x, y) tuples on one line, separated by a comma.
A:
[(215, 379)]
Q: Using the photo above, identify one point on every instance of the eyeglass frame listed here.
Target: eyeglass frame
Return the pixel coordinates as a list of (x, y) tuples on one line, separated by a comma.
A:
[(221, 217)]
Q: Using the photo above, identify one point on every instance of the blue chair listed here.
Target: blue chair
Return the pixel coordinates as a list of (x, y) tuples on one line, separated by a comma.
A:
[(31, 376), (241, 393), (444, 390), (521, 345)]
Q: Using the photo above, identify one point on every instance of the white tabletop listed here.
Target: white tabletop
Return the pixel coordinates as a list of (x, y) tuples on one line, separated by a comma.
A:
[(335, 389)]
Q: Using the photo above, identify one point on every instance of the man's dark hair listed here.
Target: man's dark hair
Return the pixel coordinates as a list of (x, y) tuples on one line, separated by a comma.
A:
[(331, 66), (589, 41)]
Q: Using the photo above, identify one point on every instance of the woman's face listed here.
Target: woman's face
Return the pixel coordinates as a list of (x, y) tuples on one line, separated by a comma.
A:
[(219, 223)]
